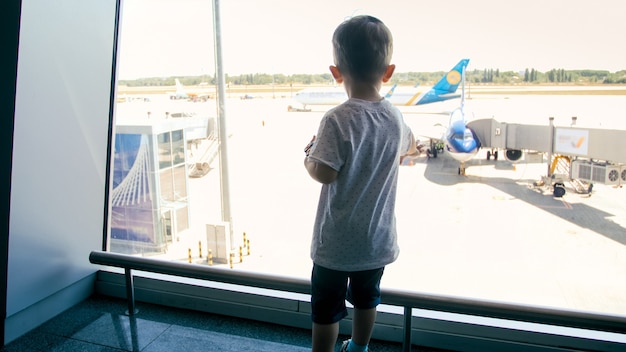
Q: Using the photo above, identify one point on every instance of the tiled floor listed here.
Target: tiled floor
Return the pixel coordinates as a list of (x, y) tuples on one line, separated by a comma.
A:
[(100, 325)]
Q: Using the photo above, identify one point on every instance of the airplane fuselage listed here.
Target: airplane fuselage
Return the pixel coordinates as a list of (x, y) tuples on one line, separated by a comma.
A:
[(337, 95), (328, 96), (444, 89)]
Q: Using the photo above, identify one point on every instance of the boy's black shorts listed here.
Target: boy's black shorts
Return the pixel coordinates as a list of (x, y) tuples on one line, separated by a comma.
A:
[(330, 289)]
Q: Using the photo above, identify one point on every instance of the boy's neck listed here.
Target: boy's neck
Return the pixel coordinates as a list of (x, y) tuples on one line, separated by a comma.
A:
[(369, 92)]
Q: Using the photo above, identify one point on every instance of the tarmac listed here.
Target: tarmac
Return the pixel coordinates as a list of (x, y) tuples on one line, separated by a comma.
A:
[(491, 234)]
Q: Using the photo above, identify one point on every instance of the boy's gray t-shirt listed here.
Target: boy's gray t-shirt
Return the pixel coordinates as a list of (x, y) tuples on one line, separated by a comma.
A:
[(355, 227)]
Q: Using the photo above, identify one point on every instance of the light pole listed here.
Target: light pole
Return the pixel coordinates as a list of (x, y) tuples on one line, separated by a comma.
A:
[(221, 122)]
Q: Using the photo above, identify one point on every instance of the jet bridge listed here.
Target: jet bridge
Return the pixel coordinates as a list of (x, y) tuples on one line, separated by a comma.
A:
[(595, 155), (511, 137)]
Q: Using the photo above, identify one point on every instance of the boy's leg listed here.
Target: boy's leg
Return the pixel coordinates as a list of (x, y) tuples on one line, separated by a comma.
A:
[(362, 325), (325, 337), (364, 294), (328, 306)]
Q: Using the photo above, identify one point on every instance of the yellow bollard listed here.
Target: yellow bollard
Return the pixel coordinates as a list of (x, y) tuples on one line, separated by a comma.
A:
[(240, 254), (210, 257), (232, 258), (244, 239), (189, 254), (200, 249), (248, 246)]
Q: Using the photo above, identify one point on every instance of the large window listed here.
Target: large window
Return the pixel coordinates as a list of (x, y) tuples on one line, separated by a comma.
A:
[(497, 233)]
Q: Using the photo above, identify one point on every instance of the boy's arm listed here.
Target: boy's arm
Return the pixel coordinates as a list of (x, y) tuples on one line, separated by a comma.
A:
[(320, 172), (414, 149)]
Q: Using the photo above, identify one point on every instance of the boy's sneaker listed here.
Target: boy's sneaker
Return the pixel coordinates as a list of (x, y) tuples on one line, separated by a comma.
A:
[(344, 346)]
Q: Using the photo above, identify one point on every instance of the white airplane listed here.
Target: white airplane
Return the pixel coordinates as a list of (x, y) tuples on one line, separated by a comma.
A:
[(182, 93), (444, 90)]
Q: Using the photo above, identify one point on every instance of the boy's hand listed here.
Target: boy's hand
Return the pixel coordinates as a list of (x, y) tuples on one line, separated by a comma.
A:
[(419, 149), (308, 147)]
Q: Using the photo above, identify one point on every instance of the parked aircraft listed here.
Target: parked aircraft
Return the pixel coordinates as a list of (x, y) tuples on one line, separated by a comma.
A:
[(182, 93), (444, 90), (305, 109), (460, 141)]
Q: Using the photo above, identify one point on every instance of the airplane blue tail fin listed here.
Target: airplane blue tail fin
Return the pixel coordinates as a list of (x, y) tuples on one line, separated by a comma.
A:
[(450, 81)]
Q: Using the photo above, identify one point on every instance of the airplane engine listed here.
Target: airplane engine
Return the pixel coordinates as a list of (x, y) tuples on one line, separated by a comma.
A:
[(513, 154)]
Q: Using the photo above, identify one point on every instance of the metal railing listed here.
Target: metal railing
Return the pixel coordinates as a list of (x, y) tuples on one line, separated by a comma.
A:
[(392, 297)]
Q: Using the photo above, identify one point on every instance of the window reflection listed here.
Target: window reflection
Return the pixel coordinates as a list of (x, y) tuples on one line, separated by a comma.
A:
[(149, 206), (133, 196)]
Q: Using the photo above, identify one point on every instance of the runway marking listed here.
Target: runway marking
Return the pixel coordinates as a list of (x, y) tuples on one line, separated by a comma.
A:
[(566, 205)]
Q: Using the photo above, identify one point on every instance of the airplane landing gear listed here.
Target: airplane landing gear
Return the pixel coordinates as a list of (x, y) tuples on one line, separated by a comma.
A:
[(462, 169), (435, 149), (493, 153)]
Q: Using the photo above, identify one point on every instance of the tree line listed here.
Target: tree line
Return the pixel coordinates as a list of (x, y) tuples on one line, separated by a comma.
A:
[(476, 76), (533, 76)]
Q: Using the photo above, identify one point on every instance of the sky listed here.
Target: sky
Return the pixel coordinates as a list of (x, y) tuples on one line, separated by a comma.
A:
[(160, 38)]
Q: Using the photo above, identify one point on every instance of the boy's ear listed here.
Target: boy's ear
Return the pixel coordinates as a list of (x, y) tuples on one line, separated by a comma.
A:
[(336, 74), (389, 73)]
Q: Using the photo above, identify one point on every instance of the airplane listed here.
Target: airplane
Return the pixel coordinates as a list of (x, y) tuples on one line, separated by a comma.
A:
[(460, 140), (305, 109), (444, 90), (182, 93)]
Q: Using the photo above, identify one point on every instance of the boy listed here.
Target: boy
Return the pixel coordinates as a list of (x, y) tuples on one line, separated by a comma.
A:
[(356, 156)]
